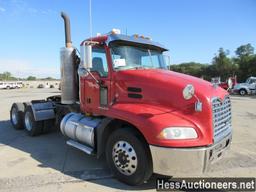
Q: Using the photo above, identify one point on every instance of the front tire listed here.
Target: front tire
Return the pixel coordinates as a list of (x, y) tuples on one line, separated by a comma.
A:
[(128, 157), (17, 115), (32, 127)]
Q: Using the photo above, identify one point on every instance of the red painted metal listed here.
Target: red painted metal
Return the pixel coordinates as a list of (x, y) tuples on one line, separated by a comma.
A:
[(162, 104)]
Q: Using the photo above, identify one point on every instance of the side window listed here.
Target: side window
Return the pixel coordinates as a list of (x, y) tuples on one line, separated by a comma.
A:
[(253, 81), (99, 61)]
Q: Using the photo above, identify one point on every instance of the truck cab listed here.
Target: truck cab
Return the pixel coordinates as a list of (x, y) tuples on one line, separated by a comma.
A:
[(247, 88), (130, 82), (119, 99), (114, 56)]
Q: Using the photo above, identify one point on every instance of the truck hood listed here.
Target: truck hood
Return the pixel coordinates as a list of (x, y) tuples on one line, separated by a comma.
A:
[(239, 85), (162, 90), (164, 87)]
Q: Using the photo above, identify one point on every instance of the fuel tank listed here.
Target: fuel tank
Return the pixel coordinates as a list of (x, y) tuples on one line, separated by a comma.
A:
[(79, 128)]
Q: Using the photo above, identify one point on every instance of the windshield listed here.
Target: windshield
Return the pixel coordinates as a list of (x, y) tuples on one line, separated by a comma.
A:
[(248, 80), (130, 57)]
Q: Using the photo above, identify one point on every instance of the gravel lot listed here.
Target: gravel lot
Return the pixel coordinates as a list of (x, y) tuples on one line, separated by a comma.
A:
[(46, 163)]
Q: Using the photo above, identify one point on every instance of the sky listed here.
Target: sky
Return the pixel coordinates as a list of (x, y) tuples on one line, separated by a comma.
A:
[(32, 31)]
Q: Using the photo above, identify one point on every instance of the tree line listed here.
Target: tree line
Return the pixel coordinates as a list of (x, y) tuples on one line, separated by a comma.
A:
[(7, 76), (243, 65)]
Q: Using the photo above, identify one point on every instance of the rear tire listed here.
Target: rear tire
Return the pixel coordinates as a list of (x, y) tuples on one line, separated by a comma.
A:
[(128, 157), (17, 115), (242, 92), (32, 127), (48, 125)]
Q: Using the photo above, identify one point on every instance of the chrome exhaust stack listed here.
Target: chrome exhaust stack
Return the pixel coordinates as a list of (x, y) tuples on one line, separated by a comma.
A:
[(69, 79), (67, 29)]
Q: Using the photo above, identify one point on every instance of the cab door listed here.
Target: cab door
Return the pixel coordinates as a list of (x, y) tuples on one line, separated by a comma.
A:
[(96, 95), (252, 85)]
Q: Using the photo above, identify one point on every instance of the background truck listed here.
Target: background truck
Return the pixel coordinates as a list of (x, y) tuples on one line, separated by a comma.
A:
[(247, 88), (118, 98)]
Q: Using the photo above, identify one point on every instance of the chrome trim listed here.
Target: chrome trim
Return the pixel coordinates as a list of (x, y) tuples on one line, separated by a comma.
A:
[(28, 121), (171, 161), (221, 117), (79, 128), (14, 115), (80, 146), (125, 158)]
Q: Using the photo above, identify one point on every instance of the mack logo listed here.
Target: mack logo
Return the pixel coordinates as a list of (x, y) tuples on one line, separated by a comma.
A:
[(221, 101)]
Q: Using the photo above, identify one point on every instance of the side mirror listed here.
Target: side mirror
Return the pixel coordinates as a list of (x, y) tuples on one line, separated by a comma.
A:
[(86, 56)]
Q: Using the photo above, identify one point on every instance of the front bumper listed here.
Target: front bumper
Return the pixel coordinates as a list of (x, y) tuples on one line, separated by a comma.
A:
[(170, 161)]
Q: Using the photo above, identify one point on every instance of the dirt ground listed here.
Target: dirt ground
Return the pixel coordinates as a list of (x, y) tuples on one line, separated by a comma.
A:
[(46, 163)]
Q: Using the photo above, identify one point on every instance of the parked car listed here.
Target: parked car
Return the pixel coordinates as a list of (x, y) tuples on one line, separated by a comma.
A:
[(40, 86), (247, 88), (4, 85), (19, 84)]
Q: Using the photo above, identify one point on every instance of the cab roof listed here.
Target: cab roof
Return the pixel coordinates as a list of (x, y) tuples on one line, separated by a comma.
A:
[(120, 38)]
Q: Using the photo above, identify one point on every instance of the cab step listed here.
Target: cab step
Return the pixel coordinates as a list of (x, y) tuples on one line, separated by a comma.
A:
[(80, 146)]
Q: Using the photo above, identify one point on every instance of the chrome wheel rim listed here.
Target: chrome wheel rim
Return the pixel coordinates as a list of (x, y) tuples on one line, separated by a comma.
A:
[(15, 116), (125, 158), (28, 121)]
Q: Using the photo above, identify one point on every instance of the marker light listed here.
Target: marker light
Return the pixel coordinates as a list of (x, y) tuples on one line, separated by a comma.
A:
[(116, 31), (148, 38), (136, 36)]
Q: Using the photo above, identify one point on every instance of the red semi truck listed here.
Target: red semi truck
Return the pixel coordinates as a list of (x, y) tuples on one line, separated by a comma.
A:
[(118, 98)]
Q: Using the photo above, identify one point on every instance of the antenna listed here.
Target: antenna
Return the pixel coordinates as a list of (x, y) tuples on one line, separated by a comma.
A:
[(90, 18)]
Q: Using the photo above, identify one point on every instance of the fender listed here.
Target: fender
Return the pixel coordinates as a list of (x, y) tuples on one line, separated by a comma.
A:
[(246, 88), (150, 120), (43, 110), (101, 136)]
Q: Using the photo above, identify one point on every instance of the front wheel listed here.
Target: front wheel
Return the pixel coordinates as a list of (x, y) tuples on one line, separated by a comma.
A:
[(128, 157)]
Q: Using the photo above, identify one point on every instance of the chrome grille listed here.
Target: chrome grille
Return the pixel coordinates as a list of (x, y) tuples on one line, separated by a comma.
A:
[(221, 117)]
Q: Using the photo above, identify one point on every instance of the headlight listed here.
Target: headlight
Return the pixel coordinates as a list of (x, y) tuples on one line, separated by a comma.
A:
[(178, 133), (188, 92)]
